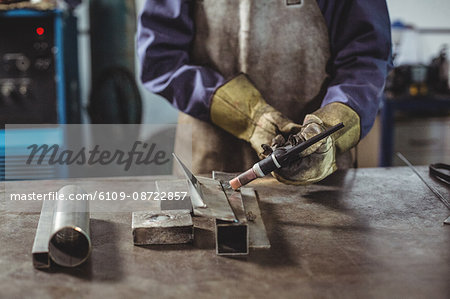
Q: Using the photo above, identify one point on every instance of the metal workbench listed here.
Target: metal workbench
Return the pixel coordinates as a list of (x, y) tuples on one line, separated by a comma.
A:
[(365, 233)]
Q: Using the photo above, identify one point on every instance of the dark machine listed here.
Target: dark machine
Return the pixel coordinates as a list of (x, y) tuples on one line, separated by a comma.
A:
[(420, 80), (38, 85), (38, 67)]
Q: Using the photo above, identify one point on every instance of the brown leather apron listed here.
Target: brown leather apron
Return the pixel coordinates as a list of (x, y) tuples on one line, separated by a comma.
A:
[(282, 45)]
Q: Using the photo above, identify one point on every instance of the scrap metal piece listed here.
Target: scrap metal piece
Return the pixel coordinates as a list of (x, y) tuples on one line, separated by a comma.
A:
[(194, 187), (235, 200), (447, 221), (162, 227), (432, 189), (172, 187), (214, 203), (63, 231), (232, 237), (257, 230), (41, 259), (217, 205), (207, 196), (204, 232)]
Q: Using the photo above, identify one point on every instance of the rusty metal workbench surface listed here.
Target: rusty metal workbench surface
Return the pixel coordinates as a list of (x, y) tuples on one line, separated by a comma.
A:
[(361, 233)]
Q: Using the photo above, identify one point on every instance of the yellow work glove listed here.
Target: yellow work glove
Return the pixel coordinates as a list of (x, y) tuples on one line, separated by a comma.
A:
[(319, 160), (239, 108)]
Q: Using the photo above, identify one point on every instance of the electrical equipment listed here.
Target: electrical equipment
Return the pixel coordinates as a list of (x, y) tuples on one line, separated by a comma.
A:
[(33, 63), (38, 80), (420, 80)]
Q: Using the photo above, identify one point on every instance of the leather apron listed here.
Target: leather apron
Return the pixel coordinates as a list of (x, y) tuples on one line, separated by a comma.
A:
[(282, 45)]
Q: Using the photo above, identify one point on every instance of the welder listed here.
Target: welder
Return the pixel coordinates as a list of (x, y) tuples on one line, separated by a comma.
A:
[(253, 75)]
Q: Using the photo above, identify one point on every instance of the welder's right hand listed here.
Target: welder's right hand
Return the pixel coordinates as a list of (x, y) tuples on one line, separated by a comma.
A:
[(319, 160), (313, 164), (239, 108)]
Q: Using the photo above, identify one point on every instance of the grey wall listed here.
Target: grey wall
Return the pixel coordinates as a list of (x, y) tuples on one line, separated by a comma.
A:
[(424, 14)]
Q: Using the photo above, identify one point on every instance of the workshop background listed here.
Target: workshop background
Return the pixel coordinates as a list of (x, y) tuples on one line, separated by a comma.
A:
[(379, 232), (99, 75)]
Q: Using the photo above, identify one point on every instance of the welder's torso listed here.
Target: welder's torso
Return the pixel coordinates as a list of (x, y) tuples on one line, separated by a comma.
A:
[(282, 47)]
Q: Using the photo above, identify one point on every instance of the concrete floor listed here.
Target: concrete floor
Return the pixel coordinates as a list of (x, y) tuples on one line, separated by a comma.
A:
[(366, 233)]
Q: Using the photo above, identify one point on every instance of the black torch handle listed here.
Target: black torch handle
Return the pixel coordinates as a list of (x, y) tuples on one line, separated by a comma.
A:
[(295, 150), (283, 156)]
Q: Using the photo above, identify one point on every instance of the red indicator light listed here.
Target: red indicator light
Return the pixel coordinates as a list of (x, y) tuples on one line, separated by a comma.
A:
[(40, 30)]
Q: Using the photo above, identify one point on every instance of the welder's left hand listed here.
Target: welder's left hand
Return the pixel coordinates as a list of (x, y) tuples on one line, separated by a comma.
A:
[(239, 108), (319, 161)]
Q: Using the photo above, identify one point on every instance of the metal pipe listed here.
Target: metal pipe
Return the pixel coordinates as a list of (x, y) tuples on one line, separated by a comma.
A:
[(69, 243)]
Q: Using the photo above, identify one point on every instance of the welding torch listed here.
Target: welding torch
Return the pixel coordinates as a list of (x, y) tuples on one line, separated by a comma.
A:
[(281, 157)]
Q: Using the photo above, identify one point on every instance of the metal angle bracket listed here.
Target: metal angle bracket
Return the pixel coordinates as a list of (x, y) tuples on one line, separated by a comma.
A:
[(207, 196), (193, 185)]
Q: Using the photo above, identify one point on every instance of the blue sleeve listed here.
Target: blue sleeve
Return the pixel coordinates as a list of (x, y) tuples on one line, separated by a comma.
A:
[(165, 32), (360, 41)]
